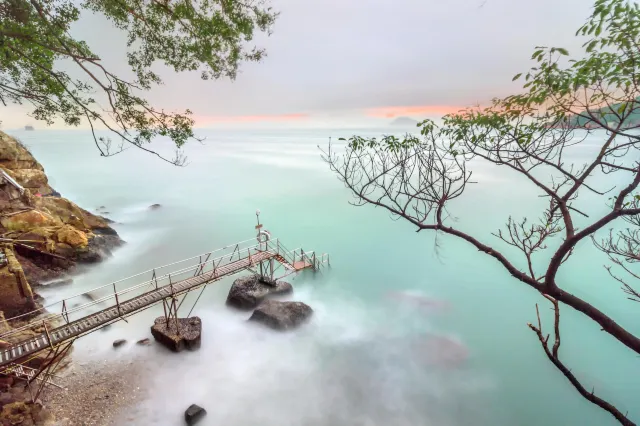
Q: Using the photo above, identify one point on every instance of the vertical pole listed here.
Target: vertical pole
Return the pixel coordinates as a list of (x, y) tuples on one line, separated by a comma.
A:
[(175, 311), (117, 301), (154, 278), (164, 307), (315, 267), (44, 324), (65, 315), (271, 266), (249, 252)]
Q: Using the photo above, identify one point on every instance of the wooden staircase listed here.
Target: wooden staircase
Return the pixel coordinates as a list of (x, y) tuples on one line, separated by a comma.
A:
[(23, 372)]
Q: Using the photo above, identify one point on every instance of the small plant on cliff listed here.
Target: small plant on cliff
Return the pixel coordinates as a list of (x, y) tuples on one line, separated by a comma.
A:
[(417, 178), (211, 36)]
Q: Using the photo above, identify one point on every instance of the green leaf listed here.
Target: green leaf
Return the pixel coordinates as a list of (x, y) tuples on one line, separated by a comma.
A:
[(563, 51), (517, 76)]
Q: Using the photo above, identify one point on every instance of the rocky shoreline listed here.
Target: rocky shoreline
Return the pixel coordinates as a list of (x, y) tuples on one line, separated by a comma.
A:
[(46, 238), (98, 393), (43, 237)]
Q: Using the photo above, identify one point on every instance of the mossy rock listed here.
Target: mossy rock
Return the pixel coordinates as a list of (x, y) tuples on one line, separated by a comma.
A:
[(67, 234), (28, 220)]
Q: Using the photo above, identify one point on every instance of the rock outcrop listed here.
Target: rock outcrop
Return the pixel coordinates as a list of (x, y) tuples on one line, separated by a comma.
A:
[(50, 233), (187, 336), (18, 162), (42, 237), (248, 292), (16, 296), (282, 315)]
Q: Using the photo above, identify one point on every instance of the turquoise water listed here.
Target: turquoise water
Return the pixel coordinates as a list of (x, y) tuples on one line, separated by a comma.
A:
[(357, 362)]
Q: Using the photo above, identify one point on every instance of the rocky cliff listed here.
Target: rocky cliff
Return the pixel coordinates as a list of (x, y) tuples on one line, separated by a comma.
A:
[(42, 235), (49, 233)]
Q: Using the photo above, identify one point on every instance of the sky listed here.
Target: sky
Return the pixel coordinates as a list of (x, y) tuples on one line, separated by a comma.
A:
[(361, 62)]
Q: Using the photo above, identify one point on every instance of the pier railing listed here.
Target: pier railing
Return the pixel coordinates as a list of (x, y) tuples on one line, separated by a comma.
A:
[(115, 293)]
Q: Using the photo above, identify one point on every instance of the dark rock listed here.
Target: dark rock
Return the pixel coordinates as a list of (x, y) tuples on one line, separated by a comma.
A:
[(65, 250), (281, 315), (248, 292), (40, 268), (106, 219), (144, 342), (193, 414), (90, 296), (106, 231), (155, 206), (119, 343), (186, 337), (5, 383), (54, 193), (99, 247), (38, 298)]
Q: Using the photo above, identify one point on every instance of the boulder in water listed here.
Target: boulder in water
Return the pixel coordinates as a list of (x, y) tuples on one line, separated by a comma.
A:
[(248, 292), (186, 337), (119, 343), (282, 315), (193, 414), (155, 206)]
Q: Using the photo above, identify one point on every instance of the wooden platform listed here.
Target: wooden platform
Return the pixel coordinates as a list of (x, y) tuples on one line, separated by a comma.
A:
[(97, 320)]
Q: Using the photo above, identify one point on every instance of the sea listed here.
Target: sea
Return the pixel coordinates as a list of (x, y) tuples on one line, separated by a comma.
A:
[(367, 355)]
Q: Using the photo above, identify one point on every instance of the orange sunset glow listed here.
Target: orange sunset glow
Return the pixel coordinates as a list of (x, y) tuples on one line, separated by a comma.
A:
[(396, 111)]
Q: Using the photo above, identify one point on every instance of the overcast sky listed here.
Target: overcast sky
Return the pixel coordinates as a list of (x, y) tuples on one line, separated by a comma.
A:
[(363, 61)]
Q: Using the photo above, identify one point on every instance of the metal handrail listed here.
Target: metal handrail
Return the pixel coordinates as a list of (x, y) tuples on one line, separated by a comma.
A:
[(239, 252)]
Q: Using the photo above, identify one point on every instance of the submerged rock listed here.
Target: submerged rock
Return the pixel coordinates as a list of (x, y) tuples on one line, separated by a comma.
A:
[(155, 206), (282, 315), (248, 292), (193, 414), (144, 342), (186, 337), (119, 343)]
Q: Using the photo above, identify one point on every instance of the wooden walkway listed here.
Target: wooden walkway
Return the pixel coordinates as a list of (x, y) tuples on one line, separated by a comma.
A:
[(52, 338)]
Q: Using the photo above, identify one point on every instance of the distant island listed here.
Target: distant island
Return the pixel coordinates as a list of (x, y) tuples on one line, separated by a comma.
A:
[(28, 128), (404, 122), (607, 115)]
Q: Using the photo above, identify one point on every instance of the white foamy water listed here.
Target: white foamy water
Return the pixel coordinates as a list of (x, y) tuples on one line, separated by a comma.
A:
[(364, 359)]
